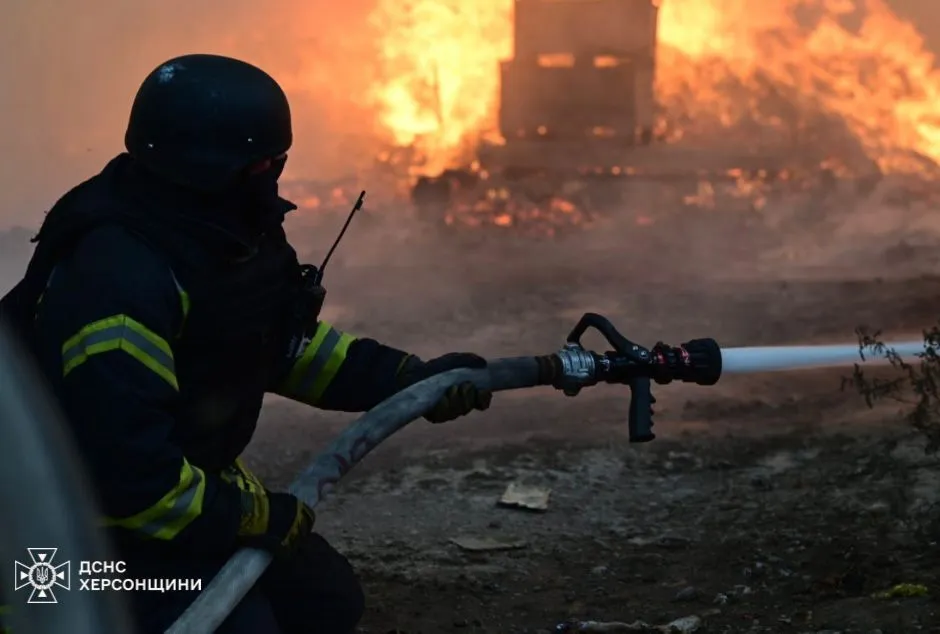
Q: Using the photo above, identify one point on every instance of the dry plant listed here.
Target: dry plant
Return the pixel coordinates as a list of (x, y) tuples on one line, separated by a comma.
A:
[(912, 384)]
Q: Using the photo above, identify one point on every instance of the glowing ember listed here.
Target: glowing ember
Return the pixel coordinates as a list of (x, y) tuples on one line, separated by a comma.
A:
[(843, 76)]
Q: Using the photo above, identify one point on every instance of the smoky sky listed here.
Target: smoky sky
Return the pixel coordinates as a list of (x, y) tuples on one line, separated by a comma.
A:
[(69, 70)]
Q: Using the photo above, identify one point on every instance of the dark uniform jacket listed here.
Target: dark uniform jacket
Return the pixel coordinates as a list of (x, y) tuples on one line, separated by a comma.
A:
[(160, 326)]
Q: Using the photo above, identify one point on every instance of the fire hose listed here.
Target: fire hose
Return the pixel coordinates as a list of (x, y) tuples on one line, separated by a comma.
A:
[(570, 370), (35, 450), (700, 361)]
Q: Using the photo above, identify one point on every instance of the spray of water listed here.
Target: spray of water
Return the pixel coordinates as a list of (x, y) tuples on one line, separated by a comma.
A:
[(767, 359)]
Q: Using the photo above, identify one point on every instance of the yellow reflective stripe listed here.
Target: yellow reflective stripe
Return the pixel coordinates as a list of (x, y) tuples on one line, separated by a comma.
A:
[(120, 332), (317, 366), (175, 510)]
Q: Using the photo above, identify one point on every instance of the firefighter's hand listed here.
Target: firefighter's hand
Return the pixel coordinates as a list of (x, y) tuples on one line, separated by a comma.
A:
[(458, 400), (275, 522)]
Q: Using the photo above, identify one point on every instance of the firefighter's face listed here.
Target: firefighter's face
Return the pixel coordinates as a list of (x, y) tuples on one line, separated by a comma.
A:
[(260, 181), (269, 168)]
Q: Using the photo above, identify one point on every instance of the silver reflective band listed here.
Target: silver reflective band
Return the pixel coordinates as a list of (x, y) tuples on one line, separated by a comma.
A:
[(116, 333), (181, 507)]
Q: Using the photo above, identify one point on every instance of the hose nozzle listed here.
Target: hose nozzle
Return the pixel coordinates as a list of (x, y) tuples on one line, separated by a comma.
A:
[(697, 361)]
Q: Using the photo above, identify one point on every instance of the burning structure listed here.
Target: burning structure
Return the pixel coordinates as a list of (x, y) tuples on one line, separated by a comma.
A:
[(511, 112), (581, 73)]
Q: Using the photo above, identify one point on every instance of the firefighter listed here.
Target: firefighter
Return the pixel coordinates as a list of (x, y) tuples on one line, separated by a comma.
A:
[(163, 301)]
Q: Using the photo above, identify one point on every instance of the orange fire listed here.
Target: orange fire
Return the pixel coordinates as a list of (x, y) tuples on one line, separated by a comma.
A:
[(792, 71), (440, 63)]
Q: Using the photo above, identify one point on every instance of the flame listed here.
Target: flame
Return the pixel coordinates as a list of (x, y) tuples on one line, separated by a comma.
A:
[(799, 64), (829, 75), (440, 67)]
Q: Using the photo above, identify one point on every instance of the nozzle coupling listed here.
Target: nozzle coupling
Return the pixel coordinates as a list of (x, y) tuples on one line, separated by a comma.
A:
[(571, 369)]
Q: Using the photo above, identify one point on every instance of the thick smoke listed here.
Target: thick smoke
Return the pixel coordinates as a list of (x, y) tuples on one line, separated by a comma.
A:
[(69, 70), (926, 15)]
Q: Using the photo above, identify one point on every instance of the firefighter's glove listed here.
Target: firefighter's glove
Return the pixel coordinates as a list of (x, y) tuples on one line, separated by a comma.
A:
[(458, 400), (275, 522), (242, 477)]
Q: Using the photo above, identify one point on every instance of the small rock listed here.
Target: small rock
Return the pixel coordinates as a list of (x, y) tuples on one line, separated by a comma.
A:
[(599, 570), (721, 599), (673, 542), (478, 544), (687, 594), (902, 590), (761, 482), (667, 541), (685, 625), (598, 627)]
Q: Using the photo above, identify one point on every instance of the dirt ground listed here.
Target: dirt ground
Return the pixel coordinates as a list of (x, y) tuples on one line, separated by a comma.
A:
[(769, 503)]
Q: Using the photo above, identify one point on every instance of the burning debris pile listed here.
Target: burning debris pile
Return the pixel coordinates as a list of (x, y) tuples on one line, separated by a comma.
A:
[(803, 96), (842, 81)]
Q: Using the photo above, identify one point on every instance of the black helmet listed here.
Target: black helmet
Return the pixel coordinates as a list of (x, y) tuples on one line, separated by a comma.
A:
[(201, 120)]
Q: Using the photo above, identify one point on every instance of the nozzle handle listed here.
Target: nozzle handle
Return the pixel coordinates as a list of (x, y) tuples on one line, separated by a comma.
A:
[(640, 421)]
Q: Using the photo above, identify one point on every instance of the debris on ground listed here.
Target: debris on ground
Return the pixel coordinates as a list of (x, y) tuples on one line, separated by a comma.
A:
[(684, 625), (483, 544), (529, 498), (901, 591), (689, 593), (612, 627)]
